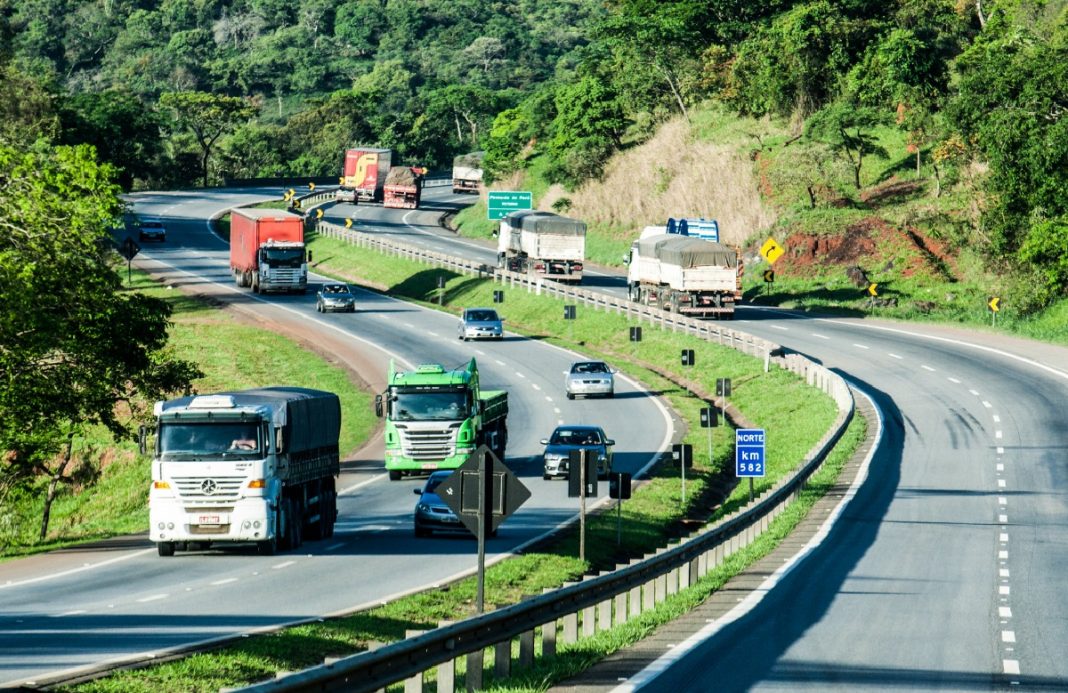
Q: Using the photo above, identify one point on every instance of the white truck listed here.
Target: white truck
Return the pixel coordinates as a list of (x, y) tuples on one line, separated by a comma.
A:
[(542, 243), (684, 275), (251, 466), (467, 172)]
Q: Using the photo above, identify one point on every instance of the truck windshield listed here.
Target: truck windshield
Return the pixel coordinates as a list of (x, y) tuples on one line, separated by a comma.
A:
[(283, 257), (436, 405), (188, 441)]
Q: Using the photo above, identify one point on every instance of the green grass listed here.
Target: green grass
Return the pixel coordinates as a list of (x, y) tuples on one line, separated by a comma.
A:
[(233, 355), (655, 514)]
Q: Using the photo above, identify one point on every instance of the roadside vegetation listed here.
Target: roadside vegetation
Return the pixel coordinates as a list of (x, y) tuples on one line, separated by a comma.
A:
[(657, 513), (232, 355)]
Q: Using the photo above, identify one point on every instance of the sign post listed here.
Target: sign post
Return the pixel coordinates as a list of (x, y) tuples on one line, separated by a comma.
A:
[(709, 420), (128, 250), (749, 455), (581, 467), (500, 203), (483, 492)]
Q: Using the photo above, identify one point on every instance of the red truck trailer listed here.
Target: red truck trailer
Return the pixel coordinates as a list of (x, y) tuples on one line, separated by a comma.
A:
[(363, 174), (267, 250), (404, 187)]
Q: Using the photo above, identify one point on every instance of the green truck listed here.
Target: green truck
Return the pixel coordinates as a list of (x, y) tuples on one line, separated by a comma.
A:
[(435, 418)]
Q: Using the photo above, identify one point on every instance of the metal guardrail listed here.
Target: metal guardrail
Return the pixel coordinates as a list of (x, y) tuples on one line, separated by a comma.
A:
[(597, 603)]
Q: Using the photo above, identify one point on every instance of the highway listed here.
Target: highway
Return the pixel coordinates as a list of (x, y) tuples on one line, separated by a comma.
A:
[(79, 609), (946, 571)]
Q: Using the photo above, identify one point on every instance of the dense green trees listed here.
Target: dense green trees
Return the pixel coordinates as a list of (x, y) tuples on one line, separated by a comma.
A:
[(75, 350), (571, 81)]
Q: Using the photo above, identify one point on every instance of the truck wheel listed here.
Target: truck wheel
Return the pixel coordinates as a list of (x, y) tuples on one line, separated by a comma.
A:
[(165, 548), (394, 475), (331, 514)]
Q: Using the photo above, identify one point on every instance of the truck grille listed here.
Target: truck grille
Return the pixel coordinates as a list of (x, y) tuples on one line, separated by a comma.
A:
[(209, 491), (427, 444), (289, 275)]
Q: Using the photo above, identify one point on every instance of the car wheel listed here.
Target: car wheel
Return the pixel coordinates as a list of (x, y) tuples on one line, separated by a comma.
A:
[(611, 395), (546, 477), (352, 309), (571, 395), (318, 307)]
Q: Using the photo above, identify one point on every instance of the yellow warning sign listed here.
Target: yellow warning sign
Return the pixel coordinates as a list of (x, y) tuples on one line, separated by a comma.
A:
[(771, 251)]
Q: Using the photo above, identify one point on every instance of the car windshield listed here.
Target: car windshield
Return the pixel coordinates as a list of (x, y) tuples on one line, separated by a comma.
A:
[(481, 315), (191, 440), (591, 367), (433, 482), (151, 225), (569, 436), (335, 289)]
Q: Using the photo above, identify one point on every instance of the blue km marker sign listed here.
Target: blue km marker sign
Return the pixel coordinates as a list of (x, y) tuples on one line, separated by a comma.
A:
[(749, 452)]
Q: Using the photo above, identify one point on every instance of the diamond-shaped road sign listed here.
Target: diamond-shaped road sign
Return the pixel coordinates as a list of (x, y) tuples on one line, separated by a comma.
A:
[(504, 492), (129, 248)]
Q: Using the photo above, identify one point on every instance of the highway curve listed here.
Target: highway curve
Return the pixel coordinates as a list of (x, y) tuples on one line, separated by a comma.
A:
[(946, 571), (78, 609)]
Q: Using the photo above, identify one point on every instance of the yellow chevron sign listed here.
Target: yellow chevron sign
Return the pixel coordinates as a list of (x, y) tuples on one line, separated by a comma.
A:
[(348, 223), (311, 186), (872, 291), (318, 214), (993, 303)]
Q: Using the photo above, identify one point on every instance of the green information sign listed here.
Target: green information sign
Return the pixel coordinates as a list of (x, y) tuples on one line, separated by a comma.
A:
[(501, 203)]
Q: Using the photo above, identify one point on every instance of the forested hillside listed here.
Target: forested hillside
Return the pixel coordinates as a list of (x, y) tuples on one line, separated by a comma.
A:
[(848, 101)]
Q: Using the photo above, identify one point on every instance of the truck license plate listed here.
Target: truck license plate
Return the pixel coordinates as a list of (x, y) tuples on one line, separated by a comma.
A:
[(429, 466), (208, 520)]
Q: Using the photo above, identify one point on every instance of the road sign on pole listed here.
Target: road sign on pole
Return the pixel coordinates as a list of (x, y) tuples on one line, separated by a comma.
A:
[(771, 251), (500, 203), (483, 492), (749, 455)]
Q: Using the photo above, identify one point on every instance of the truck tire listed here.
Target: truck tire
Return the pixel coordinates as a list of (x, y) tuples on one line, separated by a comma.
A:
[(165, 548), (394, 475), (295, 520), (331, 513), (269, 547)]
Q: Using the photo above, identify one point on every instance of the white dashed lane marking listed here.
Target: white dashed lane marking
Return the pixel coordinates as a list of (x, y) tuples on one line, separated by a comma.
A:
[(861, 346), (282, 565), (821, 336), (224, 581), (154, 597), (953, 380), (894, 356), (927, 368)]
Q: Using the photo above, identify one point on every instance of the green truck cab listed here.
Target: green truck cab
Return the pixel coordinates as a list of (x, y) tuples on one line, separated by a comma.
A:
[(435, 418)]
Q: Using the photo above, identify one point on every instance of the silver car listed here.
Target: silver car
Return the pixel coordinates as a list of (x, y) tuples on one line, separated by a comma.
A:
[(480, 323), (564, 439), (335, 297), (589, 378)]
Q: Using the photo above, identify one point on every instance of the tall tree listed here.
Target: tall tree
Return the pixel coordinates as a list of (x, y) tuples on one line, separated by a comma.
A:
[(848, 129), (207, 116), (73, 345)]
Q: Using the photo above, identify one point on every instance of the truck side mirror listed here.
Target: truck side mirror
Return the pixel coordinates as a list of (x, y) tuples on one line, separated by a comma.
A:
[(309, 257), (142, 439), (626, 259), (378, 406), (481, 407)]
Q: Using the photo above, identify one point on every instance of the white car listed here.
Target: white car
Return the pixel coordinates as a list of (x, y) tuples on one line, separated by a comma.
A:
[(590, 378)]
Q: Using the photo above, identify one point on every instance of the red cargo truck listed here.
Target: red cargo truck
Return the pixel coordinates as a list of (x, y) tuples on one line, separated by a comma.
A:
[(404, 187), (363, 174), (267, 250)]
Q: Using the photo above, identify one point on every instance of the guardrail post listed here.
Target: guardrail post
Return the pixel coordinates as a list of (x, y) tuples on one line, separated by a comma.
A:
[(588, 621), (526, 648), (548, 639), (672, 582), (660, 588), (649, 595), (413, 684), (571, 628), (621, 609), (473, 678), (604, 615), (447, 677), (502, 659)]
